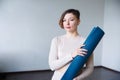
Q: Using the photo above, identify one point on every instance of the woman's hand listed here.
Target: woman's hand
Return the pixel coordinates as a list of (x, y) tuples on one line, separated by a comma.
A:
[(80, 51), (78, 78), (75, 79)]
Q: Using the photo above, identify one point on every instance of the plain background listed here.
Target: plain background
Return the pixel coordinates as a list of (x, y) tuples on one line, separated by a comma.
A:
[(111, 42), (28, 26)]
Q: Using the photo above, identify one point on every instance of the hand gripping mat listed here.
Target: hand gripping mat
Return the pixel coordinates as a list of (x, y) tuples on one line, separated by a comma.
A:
[(90, 44)]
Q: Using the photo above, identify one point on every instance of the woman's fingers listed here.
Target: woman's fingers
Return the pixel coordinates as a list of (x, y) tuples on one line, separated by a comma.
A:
[(82, 45), (82, 52)]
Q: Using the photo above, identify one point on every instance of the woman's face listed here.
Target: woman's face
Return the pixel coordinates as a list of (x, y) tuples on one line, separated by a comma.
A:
[(70, 22)]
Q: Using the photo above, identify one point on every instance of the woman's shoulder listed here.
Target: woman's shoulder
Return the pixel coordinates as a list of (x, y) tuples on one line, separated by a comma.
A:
[(58, 38)]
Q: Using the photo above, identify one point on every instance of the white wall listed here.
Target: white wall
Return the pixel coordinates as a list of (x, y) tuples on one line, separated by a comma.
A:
[(111, 42), (27, 27)]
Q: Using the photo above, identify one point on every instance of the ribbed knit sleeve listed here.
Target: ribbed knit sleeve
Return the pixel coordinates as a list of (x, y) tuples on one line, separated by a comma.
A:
[(54, 62)]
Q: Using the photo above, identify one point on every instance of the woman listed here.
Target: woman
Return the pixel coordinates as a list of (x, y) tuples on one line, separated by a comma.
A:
[(65, 47)]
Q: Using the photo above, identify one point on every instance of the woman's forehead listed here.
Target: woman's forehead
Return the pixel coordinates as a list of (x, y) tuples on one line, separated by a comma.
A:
[(69, 15)]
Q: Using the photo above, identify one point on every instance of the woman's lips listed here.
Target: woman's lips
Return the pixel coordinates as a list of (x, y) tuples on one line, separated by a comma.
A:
[(68, 27)]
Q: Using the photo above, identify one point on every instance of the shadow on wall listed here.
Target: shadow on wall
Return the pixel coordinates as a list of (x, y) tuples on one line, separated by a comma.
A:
[(2, 66), (7, 63), (2, 69)]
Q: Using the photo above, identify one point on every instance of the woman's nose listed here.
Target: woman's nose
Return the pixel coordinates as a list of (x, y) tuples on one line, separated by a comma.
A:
[(67, 22)]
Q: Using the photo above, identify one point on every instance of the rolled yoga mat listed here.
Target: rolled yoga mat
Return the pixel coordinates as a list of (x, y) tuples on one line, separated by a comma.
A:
[(78, 62)]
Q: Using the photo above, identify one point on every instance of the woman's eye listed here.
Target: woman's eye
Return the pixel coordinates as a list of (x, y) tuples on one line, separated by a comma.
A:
[(72, 20), (64, 20)]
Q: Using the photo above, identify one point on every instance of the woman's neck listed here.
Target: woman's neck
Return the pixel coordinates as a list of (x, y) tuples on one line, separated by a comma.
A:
[(72, 34)]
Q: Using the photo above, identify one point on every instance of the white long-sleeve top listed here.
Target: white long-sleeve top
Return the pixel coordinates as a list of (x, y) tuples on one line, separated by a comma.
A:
[(60, 53)]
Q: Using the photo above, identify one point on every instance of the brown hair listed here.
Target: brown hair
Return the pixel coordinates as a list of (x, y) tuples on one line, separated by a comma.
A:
[(73, 11)]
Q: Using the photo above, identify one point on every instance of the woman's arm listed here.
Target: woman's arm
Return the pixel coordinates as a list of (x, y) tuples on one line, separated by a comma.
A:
[(88, 70), (54, 62)]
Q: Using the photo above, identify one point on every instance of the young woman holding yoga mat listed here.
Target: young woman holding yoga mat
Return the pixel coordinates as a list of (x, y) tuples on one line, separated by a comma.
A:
[(65, 47)]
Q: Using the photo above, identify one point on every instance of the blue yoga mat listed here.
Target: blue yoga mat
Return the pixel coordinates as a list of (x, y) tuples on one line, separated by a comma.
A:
[(90, 44)]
